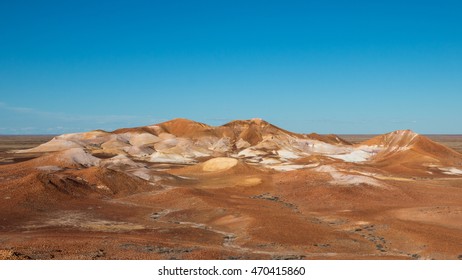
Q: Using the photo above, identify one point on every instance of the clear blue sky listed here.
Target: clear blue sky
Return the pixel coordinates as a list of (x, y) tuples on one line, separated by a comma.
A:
[(322, 66)]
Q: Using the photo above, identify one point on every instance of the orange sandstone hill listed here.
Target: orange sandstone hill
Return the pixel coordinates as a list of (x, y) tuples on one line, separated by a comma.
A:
[(411, 152), (246, 189), (255, 141)]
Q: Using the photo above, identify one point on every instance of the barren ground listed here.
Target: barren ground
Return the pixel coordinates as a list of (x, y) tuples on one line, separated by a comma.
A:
[(249, 214)]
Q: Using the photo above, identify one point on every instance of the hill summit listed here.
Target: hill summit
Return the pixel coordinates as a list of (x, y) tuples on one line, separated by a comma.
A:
[(254, 141), (243, 190)]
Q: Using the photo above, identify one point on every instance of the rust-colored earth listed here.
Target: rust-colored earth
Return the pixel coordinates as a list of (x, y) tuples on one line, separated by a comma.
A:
[(244, 190)]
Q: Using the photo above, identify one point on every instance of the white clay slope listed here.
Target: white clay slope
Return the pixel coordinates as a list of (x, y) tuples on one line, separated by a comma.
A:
[(178, 142)]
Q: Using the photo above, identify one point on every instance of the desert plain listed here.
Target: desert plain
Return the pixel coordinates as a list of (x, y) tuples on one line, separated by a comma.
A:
[(244, 190)]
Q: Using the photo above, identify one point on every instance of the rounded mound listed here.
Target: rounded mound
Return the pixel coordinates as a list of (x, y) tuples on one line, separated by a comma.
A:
[(219, 164)]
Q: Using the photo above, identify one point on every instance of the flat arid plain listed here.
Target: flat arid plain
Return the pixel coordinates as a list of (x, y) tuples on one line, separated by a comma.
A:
[(244, 190)]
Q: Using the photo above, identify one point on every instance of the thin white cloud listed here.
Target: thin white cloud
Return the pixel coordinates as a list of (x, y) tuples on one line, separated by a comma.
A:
[(59, 116), (17, 109)]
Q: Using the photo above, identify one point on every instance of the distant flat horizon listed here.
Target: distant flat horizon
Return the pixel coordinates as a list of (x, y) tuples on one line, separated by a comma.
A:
[(299, 132), (323, 66)]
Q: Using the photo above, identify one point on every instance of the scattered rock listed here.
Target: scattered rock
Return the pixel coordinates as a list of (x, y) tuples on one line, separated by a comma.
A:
[(289, 257), (13, 255)]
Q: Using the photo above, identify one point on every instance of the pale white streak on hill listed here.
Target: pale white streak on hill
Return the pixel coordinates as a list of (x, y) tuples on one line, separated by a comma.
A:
[(254, 141)]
